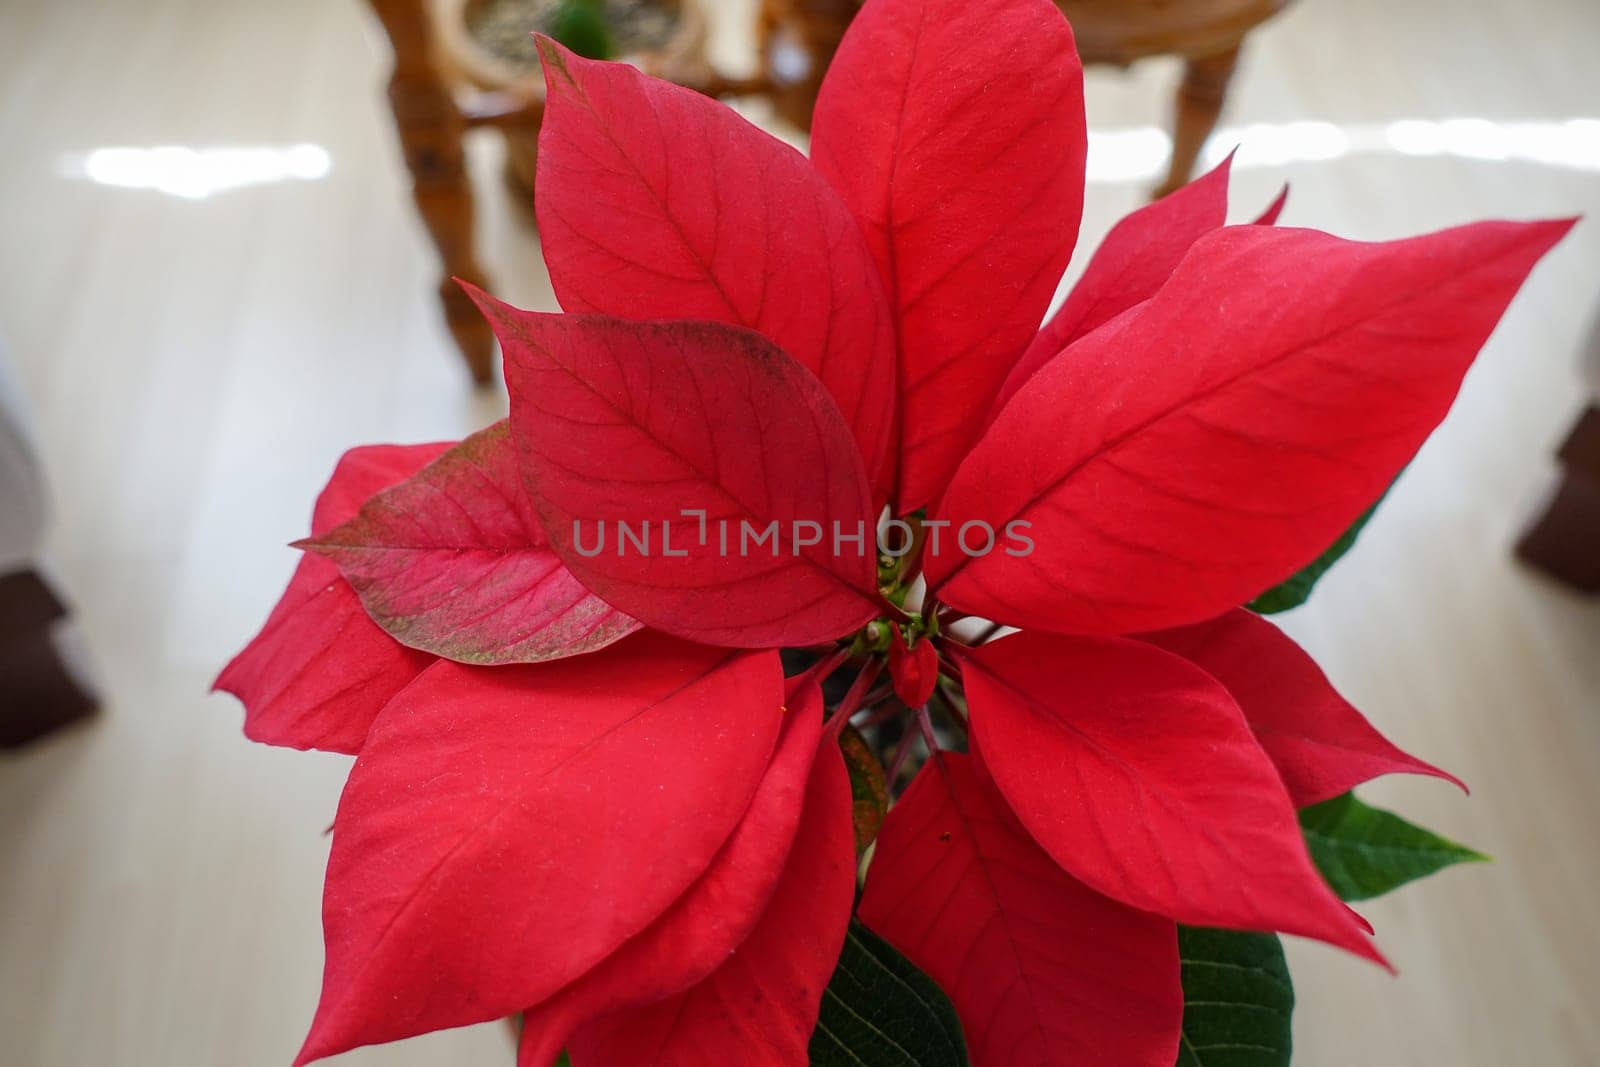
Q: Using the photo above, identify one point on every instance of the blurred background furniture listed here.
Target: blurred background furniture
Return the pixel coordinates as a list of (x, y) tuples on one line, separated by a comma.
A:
[(38, 693), (461, 64), (1564, 539), (799, 37), (430, 124)]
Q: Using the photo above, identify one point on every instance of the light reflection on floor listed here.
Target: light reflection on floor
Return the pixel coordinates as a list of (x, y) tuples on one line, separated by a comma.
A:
[(1135, 154), (194, 173), (1141, 153)]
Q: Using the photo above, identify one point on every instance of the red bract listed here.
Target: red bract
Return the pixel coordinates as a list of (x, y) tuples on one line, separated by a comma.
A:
[(1037, 965), (1137, 258), (644, 843), (715, 916), (1321, 746), (1228, 428), (630, 166), (480, 791), (691, 474), (915, 671), (759, 1007), (454, 562)]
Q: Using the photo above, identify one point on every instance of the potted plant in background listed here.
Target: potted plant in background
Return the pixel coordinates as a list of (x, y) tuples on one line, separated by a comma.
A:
[(807, 405), (490, 44)]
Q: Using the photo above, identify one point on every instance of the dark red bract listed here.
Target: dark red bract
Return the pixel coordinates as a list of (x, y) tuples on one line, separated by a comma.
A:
[(584, 789)]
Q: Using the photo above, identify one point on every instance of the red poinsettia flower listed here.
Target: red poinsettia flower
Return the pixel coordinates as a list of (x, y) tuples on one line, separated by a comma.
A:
[(585, 791)]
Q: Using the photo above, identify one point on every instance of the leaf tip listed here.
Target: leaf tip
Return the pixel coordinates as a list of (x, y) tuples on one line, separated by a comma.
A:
[(475, 293), (1274, 210), (554, 56)]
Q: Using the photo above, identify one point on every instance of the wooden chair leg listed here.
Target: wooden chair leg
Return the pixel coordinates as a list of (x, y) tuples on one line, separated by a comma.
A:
[(1564, 541), (1200, 99), (431, 130), (38, 693)]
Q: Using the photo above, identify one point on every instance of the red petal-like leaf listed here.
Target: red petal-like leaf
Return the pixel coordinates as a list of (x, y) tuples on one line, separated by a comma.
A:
[(454, 562), (1136, 258), (1137, 772), (714, 917), (1042, 970), (955, 132), (656, 202), (758, 1009), (642, 425), (915, 671), (1226, 431), (505, 829), (1321, 745), (320, 670)]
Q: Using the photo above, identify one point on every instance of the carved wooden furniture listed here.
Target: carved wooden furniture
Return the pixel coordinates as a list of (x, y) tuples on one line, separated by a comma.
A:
[(797, 40), (799, 37), (431, 126), (444, 84)]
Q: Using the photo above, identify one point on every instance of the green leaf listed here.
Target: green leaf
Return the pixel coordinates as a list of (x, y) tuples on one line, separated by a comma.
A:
[(1296, 589), (869, 793), (581, 26), (1365, 852), (1237, 1000), (880, 1011)]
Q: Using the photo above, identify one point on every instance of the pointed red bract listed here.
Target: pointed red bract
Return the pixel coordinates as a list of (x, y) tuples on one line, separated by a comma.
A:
[(711, 920), (915, 671), (1274, 210), (1135, 259), (635, 424), (1136, 771), (1321, 745), (505, 829), (1041, 969), (1226, 431), (454, 562), (955, 133), (759, 1008), (657, 202), (320, 670)]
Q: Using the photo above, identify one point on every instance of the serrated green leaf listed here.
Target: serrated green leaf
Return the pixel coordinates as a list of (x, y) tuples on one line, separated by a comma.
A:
[(1365, 852), (880, 1011), (1296, 589), (1238, 1000)]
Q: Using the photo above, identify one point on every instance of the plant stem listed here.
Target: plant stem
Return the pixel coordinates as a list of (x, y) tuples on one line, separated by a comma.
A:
[(901, 755), (852, 699)]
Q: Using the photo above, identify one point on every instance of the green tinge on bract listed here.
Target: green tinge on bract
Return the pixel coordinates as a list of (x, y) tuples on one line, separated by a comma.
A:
[(869, 793), (1365, 852)]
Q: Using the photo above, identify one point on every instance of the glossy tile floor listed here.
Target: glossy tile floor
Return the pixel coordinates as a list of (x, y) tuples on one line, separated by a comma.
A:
[(197, 358)]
